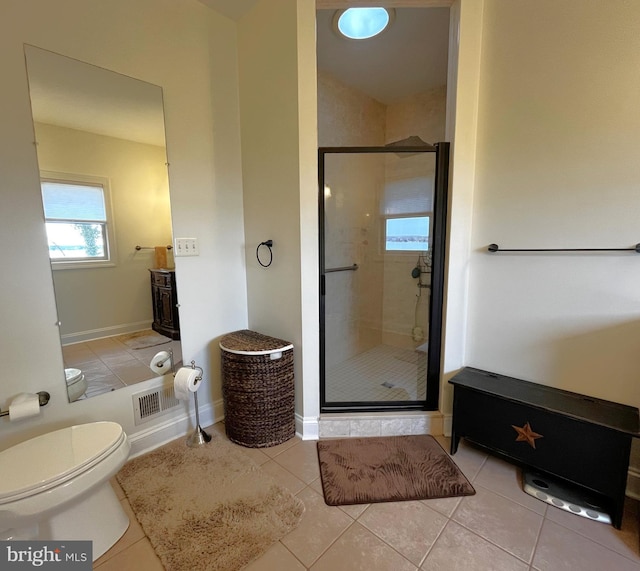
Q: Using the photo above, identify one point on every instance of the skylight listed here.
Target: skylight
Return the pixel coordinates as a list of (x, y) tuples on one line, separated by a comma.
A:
[(362, 23)]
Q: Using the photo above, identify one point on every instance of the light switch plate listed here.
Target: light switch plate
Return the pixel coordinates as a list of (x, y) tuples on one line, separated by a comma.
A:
[(186, 247)]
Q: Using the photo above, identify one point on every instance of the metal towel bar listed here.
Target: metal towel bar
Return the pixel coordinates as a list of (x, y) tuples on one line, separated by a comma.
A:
[(352, 268), (496, 248), (151, 247)]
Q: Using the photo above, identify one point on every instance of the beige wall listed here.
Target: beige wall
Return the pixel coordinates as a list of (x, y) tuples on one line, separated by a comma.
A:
[(551, 89), (97, 302), (557, 166), (465, 41), (190, 51), (279, 169)]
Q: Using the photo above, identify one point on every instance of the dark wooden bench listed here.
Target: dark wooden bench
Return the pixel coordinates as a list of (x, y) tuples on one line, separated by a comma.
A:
[(581, 440)]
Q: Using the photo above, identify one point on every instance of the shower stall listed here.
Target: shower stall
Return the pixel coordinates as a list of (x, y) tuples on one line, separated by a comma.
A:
[(382, 251)]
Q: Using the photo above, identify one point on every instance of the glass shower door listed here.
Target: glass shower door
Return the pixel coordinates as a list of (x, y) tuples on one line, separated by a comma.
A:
[(382, 220)]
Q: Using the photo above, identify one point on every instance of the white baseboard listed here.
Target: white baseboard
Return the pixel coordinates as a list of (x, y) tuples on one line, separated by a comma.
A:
[(447, 425), (307, 428), (633, 483), (176, 427), (92, 334)]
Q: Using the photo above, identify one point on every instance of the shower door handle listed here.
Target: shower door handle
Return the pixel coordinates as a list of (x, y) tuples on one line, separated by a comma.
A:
[(351, 268)]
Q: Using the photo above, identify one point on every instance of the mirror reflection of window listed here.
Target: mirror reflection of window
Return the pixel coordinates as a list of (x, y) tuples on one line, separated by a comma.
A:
[(77, 220)]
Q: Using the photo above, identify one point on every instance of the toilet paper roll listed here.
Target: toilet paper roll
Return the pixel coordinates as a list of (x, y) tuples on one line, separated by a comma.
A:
[(186, 382), (161, 363), (24, 405)]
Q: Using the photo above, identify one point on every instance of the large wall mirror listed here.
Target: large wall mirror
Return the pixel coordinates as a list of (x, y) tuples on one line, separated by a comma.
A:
[(103, 168)]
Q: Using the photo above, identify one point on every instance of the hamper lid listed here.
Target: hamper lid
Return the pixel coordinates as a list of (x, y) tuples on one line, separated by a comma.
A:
[(247, 342)]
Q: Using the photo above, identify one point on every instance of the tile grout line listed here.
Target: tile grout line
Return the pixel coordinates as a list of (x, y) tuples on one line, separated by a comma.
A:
[(636, 561), (544, 516), (123, 551), (537, 542), (485, 538), (491, 542), (333, 542), (391, 546)]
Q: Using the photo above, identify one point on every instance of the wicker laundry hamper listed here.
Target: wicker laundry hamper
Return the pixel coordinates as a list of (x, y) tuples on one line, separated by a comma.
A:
[(258, 389)]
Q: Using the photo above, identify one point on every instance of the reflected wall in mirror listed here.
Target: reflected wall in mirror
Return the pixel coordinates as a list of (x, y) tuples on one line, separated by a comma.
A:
[(103, 168)]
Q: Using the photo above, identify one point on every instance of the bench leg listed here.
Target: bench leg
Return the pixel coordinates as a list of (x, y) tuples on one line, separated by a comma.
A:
[(455, 440)]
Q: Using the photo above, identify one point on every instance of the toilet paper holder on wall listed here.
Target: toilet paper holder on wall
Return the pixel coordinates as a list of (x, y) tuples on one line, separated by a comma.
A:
[(43, 399)]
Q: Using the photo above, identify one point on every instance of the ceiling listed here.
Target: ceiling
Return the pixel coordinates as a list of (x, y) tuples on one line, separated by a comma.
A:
[(407, 58), (70, 93), (233, 9)]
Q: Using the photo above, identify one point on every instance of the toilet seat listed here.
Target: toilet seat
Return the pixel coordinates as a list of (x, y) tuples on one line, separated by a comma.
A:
[(55, 457), (72, 375), (76, 384)]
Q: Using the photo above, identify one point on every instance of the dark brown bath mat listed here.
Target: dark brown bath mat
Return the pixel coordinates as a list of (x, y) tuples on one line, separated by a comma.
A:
[(388, 469)]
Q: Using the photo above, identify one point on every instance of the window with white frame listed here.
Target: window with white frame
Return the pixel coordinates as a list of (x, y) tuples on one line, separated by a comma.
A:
[(407, 234), (406, 214), (78, 220)]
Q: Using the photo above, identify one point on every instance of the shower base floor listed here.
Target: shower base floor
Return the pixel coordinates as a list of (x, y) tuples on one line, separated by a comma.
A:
[(383, 373)]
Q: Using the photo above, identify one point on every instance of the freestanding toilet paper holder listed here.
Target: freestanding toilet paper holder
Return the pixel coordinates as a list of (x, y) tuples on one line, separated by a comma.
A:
[(199, 436)]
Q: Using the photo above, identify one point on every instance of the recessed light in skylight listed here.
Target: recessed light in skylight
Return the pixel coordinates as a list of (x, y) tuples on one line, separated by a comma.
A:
[(362, 23)]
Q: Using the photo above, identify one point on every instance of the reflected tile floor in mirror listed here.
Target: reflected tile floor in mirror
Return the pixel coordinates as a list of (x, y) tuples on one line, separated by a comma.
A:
[(109, 364)]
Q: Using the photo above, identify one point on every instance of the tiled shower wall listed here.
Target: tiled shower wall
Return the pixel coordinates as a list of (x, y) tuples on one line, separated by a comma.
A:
[(347, 117), (363, 307)]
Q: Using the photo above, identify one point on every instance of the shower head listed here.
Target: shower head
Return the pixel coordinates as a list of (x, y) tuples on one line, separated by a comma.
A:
[(413, 141)]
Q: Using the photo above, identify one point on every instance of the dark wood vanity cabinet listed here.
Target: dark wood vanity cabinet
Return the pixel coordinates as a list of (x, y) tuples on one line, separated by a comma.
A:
[(165, 303), (582, 440)]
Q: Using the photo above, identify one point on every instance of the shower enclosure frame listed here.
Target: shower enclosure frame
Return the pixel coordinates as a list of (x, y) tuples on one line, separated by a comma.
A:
[(436, 299)]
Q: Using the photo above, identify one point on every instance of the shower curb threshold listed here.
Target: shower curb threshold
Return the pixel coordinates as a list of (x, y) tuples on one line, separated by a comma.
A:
[(345, 425)]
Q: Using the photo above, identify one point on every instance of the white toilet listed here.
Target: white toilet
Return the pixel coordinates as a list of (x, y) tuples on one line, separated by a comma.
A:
[(56, 486), (76, 383)]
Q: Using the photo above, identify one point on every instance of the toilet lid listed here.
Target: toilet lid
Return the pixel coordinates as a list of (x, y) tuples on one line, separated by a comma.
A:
[(72, 375), (44, 461)]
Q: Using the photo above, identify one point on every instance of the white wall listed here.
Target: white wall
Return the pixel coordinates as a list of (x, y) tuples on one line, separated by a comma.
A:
[(557, 166), (189, 51)]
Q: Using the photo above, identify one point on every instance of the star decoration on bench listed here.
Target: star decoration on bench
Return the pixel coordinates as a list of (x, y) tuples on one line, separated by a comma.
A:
[(526, 434)]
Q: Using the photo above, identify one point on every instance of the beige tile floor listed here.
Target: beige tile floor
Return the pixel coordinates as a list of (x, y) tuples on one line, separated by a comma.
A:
[(382, 373), (499, 529)]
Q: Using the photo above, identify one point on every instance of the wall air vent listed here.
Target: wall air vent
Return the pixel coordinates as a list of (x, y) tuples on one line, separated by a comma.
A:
[(153, 403)]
